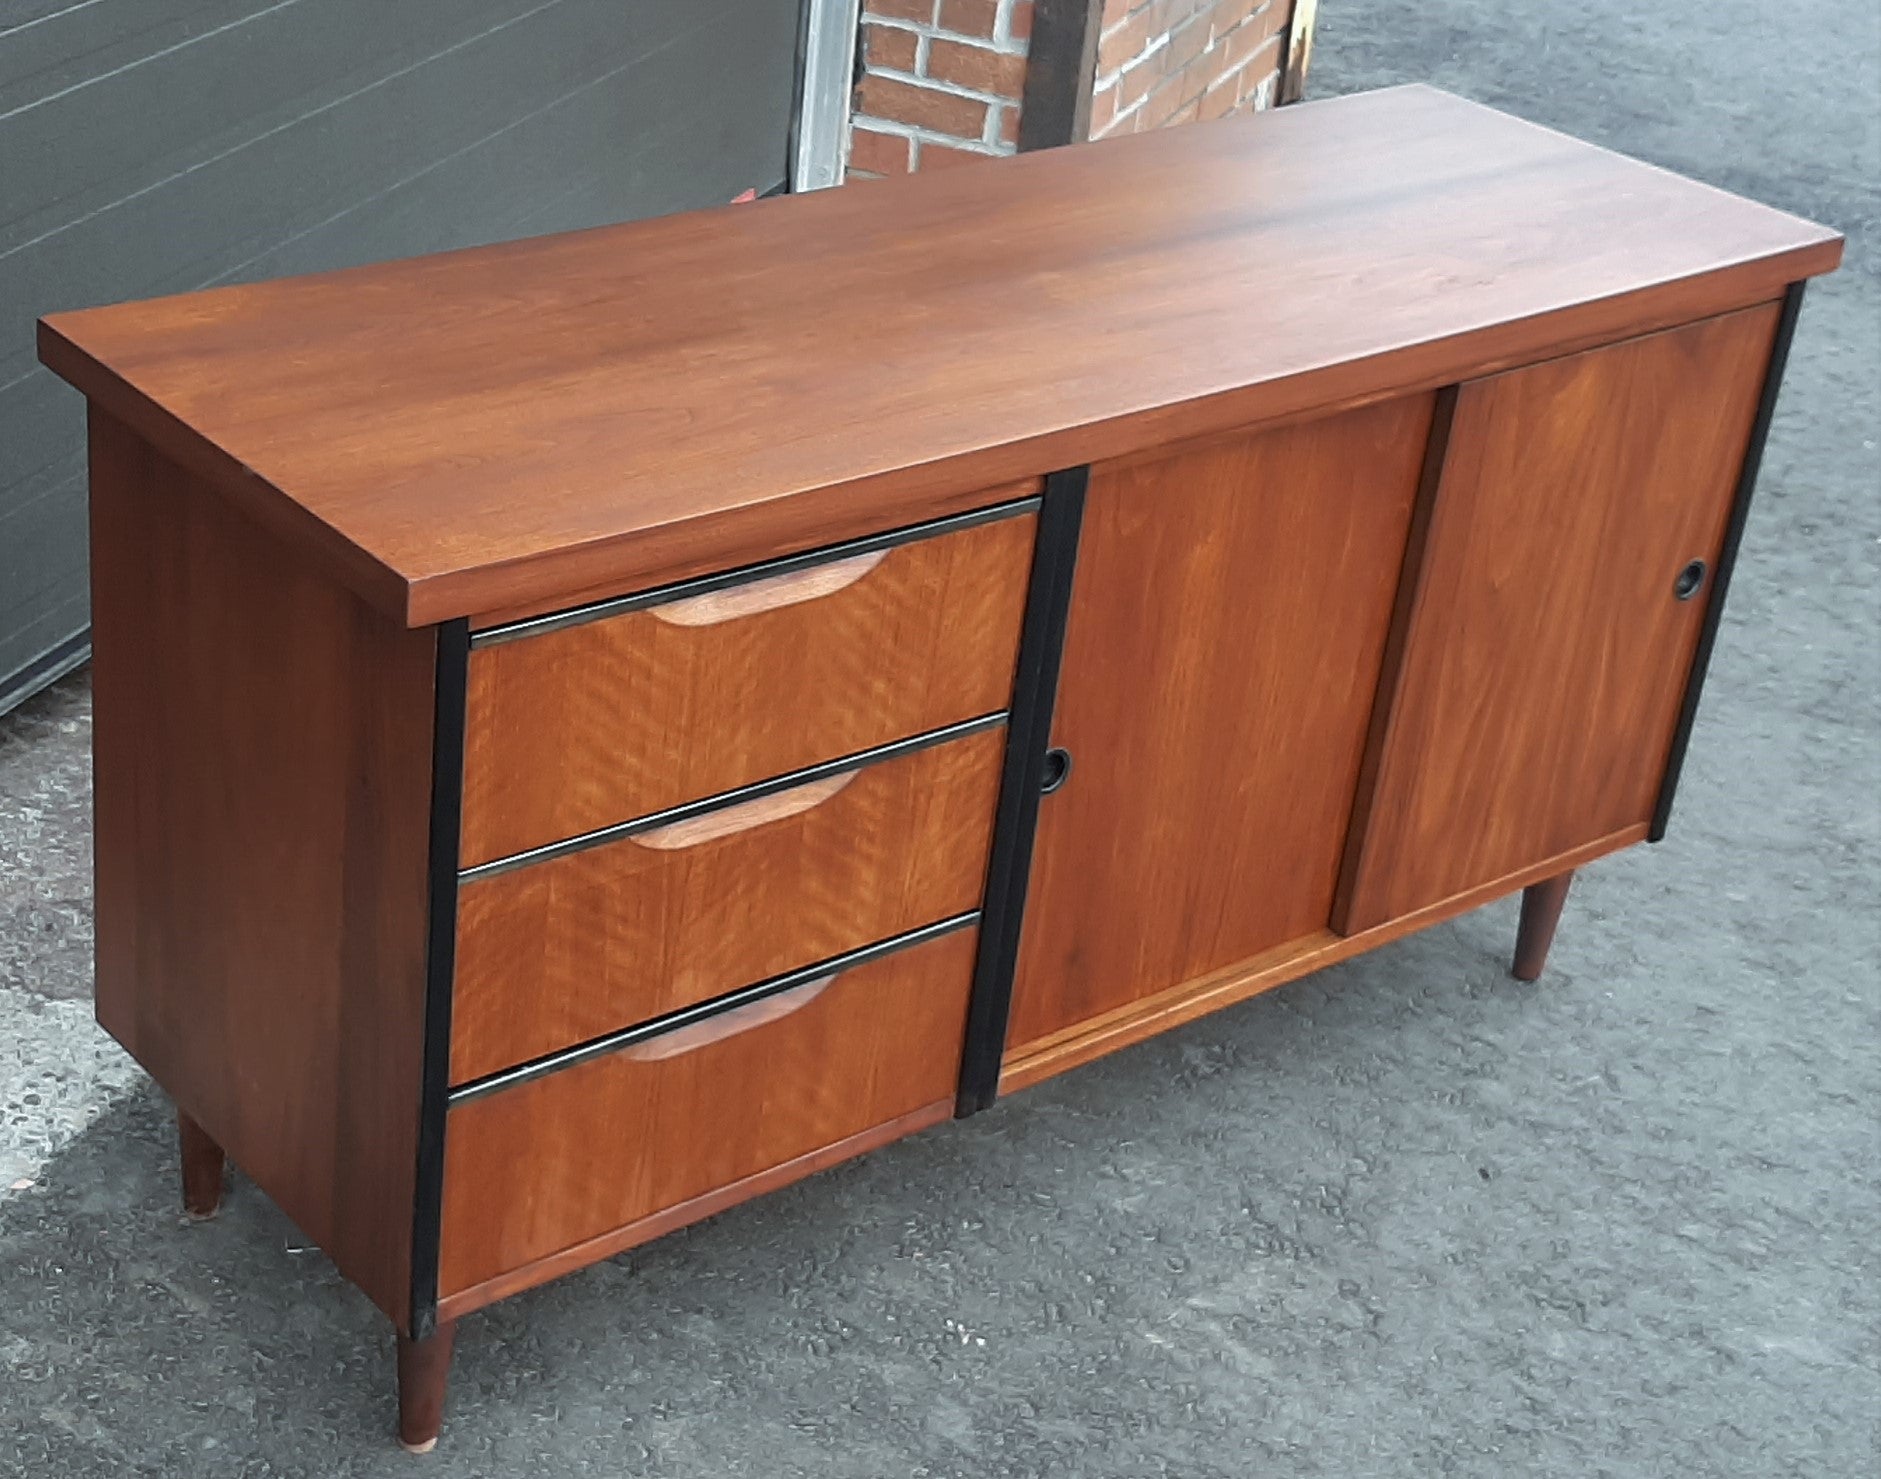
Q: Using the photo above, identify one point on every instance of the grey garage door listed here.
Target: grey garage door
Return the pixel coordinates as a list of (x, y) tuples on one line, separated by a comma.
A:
[(154, 146)]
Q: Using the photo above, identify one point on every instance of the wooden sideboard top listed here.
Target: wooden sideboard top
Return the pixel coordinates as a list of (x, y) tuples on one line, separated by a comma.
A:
[(536, 422)]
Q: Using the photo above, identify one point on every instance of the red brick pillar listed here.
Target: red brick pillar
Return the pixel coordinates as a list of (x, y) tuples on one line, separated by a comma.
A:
[(941, 83), (944, 81), (1160, 62)]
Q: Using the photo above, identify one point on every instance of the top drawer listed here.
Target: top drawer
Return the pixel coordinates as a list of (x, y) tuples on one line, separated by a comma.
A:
[(701, 687)]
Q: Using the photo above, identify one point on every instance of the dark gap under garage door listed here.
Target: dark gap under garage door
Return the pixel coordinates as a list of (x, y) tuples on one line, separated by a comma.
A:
[(155, 146)]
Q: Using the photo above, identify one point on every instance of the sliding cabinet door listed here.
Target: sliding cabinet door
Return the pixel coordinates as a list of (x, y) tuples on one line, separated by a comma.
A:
[(1227, 624)]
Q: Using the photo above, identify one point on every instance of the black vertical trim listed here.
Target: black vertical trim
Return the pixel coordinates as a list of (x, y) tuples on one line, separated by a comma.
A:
[(1727, 558), (788, 186), (447, 794), (1060, 69), (1028, 733), (1391, 659)]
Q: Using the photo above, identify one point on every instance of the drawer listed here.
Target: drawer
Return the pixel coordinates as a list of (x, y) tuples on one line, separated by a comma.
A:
[(705, 687), (623, 1147), (554, 953)]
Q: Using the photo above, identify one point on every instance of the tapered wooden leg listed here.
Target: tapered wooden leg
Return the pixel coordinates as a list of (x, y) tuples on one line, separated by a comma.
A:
[(202, 1168), (424, 1368), (1541, 911)]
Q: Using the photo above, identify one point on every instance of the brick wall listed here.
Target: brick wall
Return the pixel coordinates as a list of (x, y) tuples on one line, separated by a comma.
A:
[(940, 81), (1170, 61)]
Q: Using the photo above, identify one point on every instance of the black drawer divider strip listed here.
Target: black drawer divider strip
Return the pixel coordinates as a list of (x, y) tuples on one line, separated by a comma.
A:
[(555, 621), (509, 1078), (447, 794), (1034, 694), (753, 792)]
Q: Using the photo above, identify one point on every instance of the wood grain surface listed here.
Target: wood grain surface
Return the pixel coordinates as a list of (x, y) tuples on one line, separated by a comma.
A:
[(769, 593), (1227, 621), (1145, 1017), (744, 816), (693, 1209), (729, 1024), (476, 431), (557, 952), (562, 1160), (1546, 653), (203, 1167), (424, 1370), (600, 723), (262, 774), (1541, 913)]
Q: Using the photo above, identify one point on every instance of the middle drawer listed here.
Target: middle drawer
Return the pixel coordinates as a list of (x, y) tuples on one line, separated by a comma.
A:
[(554, 953)]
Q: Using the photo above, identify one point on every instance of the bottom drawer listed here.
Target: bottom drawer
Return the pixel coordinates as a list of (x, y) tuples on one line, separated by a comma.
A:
[(573, 1166)]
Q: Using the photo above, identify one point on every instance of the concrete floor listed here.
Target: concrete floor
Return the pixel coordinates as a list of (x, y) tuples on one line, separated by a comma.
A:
[(1405, 1218)]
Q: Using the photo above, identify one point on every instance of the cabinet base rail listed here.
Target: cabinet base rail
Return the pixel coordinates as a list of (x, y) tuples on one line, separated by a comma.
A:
[(1031, 1063)]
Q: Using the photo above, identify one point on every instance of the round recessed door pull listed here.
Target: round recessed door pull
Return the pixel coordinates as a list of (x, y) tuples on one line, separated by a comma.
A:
[(1057, 770), (1691, 580)]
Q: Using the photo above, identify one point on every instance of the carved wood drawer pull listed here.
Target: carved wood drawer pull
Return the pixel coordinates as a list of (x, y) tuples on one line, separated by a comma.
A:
[(768, 595), (729, 1024), (744, 816)]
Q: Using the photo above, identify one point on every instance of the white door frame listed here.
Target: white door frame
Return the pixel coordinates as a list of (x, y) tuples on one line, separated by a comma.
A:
[(829, 59)]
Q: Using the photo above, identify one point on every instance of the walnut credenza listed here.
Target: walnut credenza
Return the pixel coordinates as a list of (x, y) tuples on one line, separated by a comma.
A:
[(589, 730)]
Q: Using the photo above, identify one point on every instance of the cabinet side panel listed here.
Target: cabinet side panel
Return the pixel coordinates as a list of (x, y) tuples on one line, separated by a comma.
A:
[(1228, 621), (1546, 655), (262, 755)]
